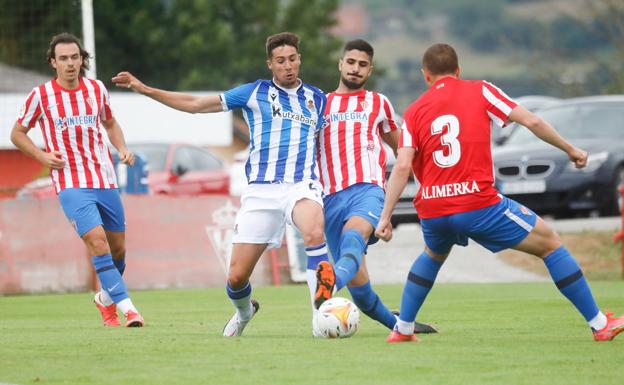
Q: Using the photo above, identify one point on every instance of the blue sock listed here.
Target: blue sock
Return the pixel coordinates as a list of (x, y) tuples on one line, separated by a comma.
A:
[(316, 254), (571, 282), (109, 276), (420, 280), (352, 246), (120, 264), (369, 303)]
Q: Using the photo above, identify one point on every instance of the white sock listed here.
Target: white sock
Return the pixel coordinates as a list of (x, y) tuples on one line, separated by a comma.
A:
[(126, 304), (244, 308), (598, 322), (406, 328), (104, 298), (311, 278)]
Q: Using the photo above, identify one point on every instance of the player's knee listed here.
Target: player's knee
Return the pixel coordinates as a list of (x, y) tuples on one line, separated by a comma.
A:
[(97, 245), (237, 280), (313, 236)]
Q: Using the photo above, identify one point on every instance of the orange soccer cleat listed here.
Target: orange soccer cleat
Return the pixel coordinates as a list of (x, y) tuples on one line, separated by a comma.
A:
[(325, 281), (614, 327), (395, 336), (109, 313), (134, 320)]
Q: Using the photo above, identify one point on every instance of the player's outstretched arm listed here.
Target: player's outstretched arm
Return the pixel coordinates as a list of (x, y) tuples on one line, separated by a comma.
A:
[(396, 184), (177, 100), (116, 137), (543, 130), (19, 137)]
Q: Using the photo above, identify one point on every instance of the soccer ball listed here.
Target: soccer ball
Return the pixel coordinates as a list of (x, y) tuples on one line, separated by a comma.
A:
[(337, 318)]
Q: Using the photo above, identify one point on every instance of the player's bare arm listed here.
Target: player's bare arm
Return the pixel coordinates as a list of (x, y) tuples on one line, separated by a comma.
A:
[(543, 130), (19, 137), (392, 139), (398, 179), (178, 100), (116, 137)]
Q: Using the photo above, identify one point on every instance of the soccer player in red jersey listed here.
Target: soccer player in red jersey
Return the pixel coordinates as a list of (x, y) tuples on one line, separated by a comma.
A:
[(445, 139), (352, 163), (71, 110)]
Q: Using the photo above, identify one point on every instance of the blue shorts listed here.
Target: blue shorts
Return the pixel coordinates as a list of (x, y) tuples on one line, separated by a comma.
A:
[(495, 227), (364, 200), (87, 208)]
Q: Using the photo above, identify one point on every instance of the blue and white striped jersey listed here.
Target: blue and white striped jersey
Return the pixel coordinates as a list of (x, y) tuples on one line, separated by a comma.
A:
[(283, 124)]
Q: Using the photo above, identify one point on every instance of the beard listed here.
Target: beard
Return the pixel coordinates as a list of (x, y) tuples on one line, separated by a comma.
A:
[(354, 85)]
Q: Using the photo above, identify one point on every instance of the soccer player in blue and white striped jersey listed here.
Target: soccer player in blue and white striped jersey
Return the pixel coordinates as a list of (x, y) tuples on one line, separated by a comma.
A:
[(284, 116)]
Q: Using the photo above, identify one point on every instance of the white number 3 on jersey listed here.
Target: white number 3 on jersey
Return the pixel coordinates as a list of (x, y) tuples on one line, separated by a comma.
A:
[(449, 139)]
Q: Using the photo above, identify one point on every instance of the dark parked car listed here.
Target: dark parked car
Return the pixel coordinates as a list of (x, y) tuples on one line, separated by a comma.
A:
[(173, 169), (541, 176), (530, 102)]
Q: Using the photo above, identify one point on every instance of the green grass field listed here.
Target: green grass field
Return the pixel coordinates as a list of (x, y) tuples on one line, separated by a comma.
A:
[(490, 334)]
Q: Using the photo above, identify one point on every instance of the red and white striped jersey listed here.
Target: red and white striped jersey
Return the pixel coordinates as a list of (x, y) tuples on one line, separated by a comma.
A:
[(449, 126), (70, 123), (350, 150)]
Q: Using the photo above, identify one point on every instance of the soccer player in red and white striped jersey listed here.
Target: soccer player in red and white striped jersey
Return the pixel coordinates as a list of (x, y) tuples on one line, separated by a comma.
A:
[(71, 111), (352, 163), (445, 141)]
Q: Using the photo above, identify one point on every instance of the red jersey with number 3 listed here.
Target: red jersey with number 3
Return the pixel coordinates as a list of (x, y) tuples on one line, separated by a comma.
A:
[(449, 126), (70, 123), (350, 150)]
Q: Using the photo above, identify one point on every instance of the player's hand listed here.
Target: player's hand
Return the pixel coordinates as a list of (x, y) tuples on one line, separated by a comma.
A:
[(53, 159), (384, 230), (127, 80), (578, 157), (126, 157)]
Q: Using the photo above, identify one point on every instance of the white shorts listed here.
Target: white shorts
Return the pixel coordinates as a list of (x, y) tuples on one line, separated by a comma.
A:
[(266, 208)]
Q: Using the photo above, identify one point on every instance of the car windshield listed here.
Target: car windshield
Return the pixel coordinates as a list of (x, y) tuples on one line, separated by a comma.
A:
[(155, 154), (579, 121)]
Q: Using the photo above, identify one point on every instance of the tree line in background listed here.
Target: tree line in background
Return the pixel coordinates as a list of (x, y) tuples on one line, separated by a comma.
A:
[(216, 44), (182, 44)]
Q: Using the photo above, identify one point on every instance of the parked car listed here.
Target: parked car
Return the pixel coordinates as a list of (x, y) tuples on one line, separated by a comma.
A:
[(173, 169), (541, 176), (530, 102)]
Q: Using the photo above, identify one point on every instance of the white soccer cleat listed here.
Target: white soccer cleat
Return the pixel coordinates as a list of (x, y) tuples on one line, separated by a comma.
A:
[(235, 326)]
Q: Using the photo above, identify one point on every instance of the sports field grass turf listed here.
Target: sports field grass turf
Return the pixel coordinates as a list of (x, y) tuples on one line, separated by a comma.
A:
[(490, 334)]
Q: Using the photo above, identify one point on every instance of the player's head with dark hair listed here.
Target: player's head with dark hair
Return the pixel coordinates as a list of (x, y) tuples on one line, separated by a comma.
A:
[(440, 59), (67, 38), (360, 45), (281, 39), (356, 65), (283, 58)]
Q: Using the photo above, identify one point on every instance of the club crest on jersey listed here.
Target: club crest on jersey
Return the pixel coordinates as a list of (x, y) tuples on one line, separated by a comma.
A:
[(364, 104), (91, 102), (310, 105)]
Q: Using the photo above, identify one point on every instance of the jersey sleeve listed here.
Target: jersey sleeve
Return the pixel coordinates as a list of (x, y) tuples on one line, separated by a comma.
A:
[(322, 121), (499, 105), (105, 112), (237, 97), (31, 111), (390, 122), (408, 137)]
